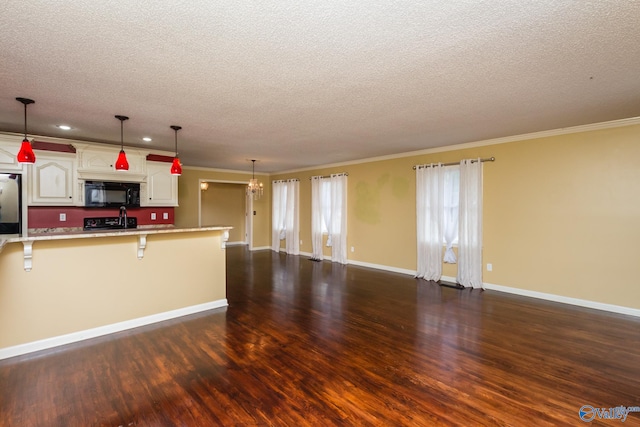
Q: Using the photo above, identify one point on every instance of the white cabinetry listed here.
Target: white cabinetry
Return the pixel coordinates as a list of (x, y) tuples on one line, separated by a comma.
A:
[(98, 163), (8, 156), (161, 188), (51, 180), (58, 177)]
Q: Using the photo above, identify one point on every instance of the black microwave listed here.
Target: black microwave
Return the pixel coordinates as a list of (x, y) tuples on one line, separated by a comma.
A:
[(104, 194)]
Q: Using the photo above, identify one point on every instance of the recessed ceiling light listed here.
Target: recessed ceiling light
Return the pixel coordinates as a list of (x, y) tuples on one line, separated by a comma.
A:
[(64, 127), (146, 139)]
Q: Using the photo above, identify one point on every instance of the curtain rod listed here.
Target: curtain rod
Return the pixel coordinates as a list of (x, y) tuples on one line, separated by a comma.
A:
[(329, 176), (490, 159), (285, 180)]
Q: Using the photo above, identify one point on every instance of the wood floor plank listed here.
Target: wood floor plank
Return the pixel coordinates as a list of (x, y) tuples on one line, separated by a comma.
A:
[(321, 344)]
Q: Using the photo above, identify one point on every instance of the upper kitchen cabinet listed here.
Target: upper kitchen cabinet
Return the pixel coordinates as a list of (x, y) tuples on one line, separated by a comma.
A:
[(161, 188), (8, 156), (98, 163), (52, 180)]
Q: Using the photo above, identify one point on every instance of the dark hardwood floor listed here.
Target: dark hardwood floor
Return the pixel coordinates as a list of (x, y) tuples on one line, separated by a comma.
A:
[(304, 343)]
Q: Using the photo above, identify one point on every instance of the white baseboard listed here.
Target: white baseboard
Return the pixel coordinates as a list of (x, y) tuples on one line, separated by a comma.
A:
[(516, 291), (261, 248), (44, 344), (523, 292), (565, 300), (235, 243), (383, 267), (557, 298)]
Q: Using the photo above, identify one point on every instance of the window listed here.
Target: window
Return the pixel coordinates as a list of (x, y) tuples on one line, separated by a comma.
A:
[(325, 204), (285, 211), (450, 204), (329, 216), (448, 212)]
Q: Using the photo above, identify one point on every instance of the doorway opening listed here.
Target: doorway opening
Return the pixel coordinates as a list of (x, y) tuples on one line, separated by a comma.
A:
[(227, 203)]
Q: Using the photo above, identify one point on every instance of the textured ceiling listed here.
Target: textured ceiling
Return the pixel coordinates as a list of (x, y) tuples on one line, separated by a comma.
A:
[(302, 83)]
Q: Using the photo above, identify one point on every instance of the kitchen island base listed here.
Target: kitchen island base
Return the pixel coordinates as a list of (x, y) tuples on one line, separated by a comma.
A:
[(80, 288)]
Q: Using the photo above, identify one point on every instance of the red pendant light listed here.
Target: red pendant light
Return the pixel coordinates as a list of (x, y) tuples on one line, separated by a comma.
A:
[(26, 154), (121, 163), (176, 167)]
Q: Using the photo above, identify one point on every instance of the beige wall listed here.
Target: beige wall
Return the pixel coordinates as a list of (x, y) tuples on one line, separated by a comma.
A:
[(224, 204), (81, 284), (561, 213), (186, 214)]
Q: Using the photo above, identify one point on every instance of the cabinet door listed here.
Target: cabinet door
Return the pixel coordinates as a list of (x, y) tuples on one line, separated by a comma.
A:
[(162, 187), (98, 160), (51, 181), (8, 159), (102, 161)]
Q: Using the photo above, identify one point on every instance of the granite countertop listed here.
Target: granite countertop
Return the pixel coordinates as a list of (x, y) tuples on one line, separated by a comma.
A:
[(66, 234), (82, 234)]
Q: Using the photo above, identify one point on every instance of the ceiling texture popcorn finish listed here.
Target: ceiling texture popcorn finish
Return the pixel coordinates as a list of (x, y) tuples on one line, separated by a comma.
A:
[(304, 83)]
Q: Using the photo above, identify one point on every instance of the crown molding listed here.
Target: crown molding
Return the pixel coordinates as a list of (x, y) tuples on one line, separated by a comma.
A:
[(495, 141), (204, 169)]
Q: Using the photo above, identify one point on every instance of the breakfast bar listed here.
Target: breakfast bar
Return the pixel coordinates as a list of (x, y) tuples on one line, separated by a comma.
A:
[(58, 288)]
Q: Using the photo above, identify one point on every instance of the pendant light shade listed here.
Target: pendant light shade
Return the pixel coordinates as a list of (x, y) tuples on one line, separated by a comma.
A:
[(121, 163), (176, 166), (26, 154)]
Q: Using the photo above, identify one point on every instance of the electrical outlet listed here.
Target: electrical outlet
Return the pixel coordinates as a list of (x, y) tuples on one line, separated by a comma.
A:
[(165, 215), (63, 217), (352, 249), (489, 267), (300, 241), (153, 216)]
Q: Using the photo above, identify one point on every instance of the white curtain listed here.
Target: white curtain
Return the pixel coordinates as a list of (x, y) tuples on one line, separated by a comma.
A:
[(329, 207), (325, 207), (292, 218), (316, 217), (450, 212), (338, 228), (278, 210), (470, 224), (429, 212), (285, 216)]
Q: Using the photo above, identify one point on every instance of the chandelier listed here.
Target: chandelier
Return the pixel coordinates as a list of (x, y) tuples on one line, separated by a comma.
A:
[(254, 188)]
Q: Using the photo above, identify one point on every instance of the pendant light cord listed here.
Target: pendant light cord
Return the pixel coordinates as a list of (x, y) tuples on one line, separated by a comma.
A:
[(122, 119), (25, 102), (176, 129), (25, 121)]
